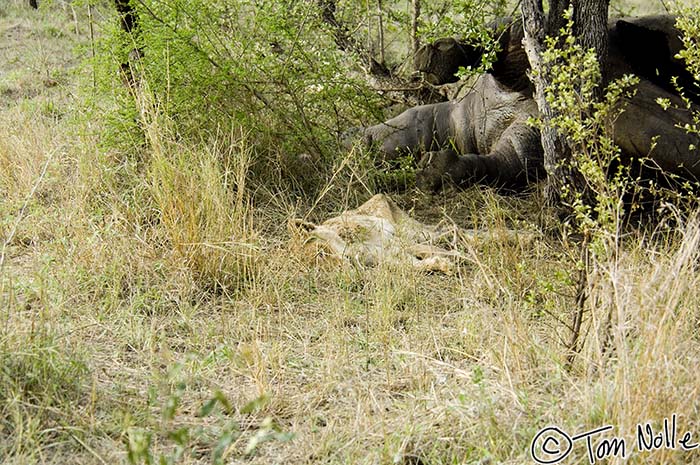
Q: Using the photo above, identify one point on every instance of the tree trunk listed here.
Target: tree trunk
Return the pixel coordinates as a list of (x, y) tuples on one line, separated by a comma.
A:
[(128, 15), (380, 33), (130, 24), (415, 18), (561, 174), (591, 30), (555, 17), (557, 149), (346, 42)]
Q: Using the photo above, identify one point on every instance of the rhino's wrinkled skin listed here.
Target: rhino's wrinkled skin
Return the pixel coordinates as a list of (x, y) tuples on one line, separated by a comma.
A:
[(483, 137)]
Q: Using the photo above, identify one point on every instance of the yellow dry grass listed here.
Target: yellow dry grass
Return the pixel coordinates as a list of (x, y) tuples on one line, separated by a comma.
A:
[(131, 295)]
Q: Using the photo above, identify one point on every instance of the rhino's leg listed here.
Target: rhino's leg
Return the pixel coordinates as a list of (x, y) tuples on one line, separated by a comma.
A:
[(440, 168), (418, 129), (515, 161), (447, 167)]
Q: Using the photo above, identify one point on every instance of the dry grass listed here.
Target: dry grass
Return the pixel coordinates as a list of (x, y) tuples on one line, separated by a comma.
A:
[(132, 292)]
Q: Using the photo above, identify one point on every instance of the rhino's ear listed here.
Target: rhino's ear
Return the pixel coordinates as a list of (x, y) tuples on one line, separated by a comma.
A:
[(350, 137), (645, 49), (367, 139), (446, 45)]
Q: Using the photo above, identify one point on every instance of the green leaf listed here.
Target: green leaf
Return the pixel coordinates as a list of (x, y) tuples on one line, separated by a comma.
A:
[(180, 436), (255, 404), (207, 408), (218, 395), (221, 446)]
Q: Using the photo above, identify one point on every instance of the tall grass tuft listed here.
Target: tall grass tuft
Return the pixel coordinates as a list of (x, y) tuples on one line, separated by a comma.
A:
[(41, 385), (200, 192)]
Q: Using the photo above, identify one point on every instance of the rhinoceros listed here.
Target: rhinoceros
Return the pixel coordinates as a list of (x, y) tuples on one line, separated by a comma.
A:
[(482, 137), (485, 137), (646, 46)]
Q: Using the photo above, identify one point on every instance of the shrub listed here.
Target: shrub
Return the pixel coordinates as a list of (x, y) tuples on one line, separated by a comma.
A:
[(271, 68)]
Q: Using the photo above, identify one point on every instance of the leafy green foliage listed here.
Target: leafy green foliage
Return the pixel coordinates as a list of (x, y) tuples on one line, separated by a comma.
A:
[(574, 75), (219, 431), (270, 68), (688, 22), (466, 19)]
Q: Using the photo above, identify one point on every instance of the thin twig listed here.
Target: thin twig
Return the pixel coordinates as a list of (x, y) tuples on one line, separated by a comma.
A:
[(92, 45), (576, 343), (22, 210), (89, 449)]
